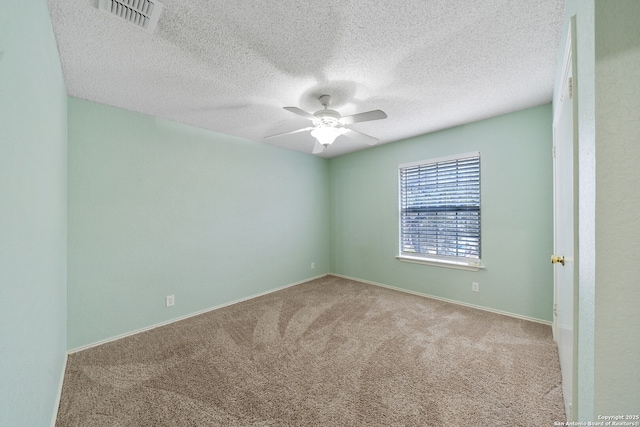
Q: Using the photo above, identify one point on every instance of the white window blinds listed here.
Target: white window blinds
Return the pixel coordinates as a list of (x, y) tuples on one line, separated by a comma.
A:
[(440, 208)]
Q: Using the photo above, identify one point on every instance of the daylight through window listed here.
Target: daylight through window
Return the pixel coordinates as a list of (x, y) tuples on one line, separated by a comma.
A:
[(440, 208)]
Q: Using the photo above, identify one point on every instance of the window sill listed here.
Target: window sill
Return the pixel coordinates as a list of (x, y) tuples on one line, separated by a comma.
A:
[(469, 266)]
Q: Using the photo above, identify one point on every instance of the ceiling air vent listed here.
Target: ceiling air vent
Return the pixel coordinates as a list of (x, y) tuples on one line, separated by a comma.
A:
[(142, 13)]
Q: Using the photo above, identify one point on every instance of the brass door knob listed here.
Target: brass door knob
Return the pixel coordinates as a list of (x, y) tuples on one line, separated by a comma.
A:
[(557, 259)]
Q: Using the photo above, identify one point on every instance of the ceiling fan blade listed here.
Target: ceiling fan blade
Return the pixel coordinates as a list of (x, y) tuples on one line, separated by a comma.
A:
[(289, 133), (300, 112), (359, 136), (317, 148), (364, 117)]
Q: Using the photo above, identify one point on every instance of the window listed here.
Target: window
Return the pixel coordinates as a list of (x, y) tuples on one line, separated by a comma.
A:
[(440, 211)]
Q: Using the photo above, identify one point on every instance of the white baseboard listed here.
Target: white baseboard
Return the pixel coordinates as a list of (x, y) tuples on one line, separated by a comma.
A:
[(59, 393), (177, 319), (479, 307), (197, 313)]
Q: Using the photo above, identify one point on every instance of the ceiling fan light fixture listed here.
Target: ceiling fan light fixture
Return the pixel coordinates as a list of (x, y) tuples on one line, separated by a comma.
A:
[(325, 134), (329, 124)]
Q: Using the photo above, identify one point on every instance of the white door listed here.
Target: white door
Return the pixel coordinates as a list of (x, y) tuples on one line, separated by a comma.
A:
[(564, 226)]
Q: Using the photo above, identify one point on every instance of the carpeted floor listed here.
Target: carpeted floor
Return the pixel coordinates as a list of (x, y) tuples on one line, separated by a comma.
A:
[(329, 352)]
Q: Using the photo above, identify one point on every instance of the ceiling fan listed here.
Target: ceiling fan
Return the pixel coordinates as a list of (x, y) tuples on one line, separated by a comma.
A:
[(329, 124)]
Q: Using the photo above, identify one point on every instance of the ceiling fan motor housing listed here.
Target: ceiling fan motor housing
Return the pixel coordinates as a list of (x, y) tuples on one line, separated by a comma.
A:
[(327, 118)]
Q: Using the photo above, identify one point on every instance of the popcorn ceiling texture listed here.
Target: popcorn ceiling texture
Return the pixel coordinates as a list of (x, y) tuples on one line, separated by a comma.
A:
[(230, 66)]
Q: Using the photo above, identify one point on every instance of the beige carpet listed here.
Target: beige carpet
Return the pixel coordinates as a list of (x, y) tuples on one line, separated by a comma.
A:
[(329, 352)]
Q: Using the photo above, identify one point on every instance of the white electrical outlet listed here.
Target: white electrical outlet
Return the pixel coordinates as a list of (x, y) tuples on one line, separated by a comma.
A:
[(313, 265), (475, 286), (170, 300)]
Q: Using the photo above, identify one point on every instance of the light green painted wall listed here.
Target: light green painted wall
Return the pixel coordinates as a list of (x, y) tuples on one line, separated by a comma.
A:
[(617, 291), (158, 208), (33, 133), (516, 177)]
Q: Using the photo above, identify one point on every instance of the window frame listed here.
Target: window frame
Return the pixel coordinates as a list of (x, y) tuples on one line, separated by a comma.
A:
[(465, 263)]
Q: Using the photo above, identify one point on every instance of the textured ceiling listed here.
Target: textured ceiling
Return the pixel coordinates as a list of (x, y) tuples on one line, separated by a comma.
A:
[(230, 66)]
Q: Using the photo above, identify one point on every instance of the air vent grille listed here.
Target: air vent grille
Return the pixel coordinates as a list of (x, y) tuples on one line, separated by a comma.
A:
[(142, 13)]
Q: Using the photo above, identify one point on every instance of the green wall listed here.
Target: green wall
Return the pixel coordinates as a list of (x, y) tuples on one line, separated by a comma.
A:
[(158, 208), (617, 109), (516, 203), (33, 134)]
